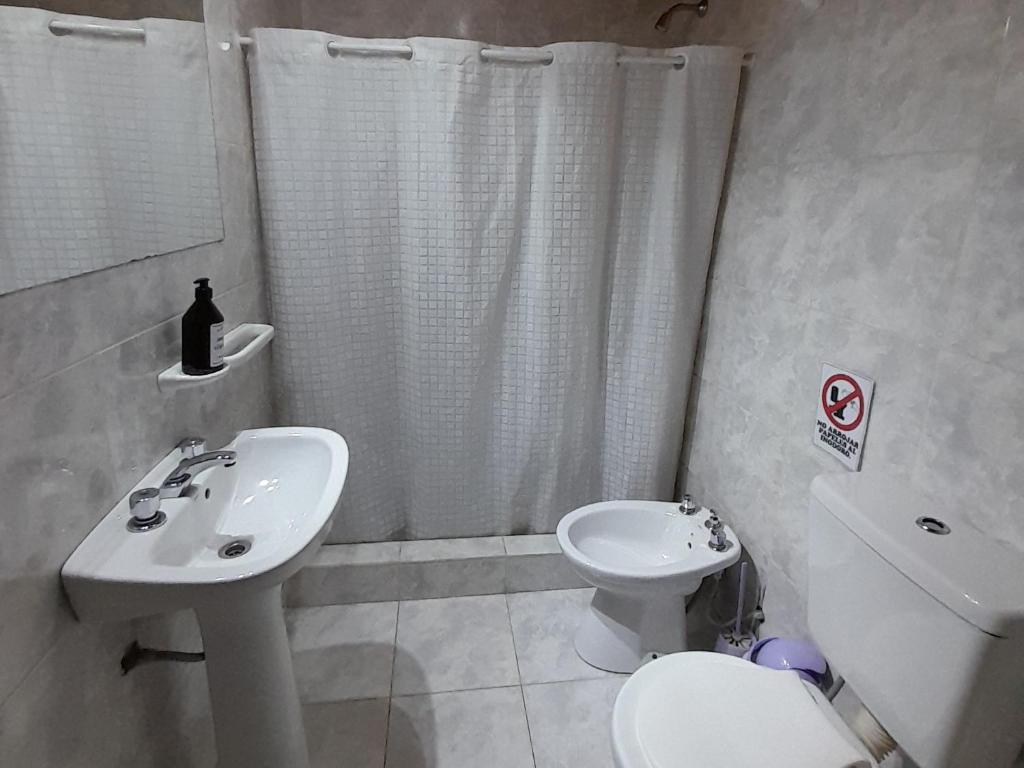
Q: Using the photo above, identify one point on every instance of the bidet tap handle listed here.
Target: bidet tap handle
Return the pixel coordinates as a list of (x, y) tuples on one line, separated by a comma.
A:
[(191, 447), (713, 522), (718, 541), (688, 505)]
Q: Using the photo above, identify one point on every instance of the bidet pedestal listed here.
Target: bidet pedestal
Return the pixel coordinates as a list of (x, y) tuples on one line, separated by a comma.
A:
[(617, 631), (257, 717)]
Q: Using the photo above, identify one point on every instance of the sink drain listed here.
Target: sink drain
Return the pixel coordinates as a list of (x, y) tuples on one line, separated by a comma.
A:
[(234, 549)]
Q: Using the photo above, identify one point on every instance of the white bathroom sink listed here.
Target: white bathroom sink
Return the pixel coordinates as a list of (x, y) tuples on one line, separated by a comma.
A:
[(271, 503), (278, 499)]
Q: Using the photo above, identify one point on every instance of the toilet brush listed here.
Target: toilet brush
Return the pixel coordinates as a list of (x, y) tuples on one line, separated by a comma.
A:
[(873, 735), (734, 641)]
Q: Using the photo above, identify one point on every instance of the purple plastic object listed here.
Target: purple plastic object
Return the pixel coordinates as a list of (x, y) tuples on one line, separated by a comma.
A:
[(789, 653)]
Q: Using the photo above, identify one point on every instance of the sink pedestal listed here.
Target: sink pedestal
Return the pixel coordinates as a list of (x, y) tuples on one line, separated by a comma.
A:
[(256, 713)]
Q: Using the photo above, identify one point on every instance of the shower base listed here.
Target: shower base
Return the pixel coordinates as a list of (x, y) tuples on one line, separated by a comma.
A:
[(417, 570)]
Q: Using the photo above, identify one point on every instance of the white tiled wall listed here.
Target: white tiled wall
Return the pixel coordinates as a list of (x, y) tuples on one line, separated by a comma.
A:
[(873, 220)]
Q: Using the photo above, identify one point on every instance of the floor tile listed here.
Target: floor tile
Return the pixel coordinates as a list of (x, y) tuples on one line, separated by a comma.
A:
[(570, 723), (533, 544), (343, 651), (529, 573), (536, 562), (543, 626), (453, 644), (452, 568), (452, 549), (346, 734), (451, 578), (464, 729), (347, 573)]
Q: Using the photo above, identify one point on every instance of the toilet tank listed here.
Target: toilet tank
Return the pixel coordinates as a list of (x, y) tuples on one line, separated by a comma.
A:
[(926, 627)]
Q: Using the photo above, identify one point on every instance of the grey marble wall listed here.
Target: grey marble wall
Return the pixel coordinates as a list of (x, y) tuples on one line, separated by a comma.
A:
[(528, 22), (81, 421), (872, 219)]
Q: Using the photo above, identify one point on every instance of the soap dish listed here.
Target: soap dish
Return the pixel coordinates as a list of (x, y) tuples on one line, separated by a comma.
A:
[(240, 345)]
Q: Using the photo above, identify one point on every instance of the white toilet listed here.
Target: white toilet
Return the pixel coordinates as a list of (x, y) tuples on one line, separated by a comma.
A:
[(644, 557), (921, 614)]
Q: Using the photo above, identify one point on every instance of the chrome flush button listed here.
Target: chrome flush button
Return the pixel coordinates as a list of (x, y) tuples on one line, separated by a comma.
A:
[(932, 525)]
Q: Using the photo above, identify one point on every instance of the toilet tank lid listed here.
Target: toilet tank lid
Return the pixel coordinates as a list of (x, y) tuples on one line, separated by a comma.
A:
[(974, 575)]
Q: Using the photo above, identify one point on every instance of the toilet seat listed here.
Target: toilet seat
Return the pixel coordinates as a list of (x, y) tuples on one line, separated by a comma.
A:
[(708, 710)]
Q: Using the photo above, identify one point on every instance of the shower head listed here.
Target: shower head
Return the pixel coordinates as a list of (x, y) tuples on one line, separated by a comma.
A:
[(701, 8)]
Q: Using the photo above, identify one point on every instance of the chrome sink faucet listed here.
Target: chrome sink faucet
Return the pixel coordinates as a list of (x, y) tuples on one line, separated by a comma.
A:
[(196, 459)]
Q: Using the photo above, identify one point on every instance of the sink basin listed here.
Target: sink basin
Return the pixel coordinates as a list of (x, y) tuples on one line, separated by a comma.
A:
[(225, 549), (278, 500)]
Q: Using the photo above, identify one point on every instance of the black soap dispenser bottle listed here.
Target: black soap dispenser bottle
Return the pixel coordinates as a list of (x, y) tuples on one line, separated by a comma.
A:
[(202, 333)]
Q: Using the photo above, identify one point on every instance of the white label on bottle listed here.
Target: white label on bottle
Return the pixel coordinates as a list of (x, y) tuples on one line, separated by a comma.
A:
[(216, 344)]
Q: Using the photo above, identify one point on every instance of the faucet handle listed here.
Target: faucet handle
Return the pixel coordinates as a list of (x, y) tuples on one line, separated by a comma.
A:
[(718, 541), (144, 504), (191, 447), (146, 513), (714, 524), (688, 505)]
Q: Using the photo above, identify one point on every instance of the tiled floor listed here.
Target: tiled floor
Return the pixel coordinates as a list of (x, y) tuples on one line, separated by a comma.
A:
[(452, 683)]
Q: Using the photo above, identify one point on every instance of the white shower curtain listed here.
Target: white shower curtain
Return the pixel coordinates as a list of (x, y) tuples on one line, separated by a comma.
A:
[(488, 276)]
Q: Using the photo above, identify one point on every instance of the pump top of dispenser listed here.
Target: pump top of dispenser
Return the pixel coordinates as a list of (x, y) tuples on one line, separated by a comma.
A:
[(203, 289)]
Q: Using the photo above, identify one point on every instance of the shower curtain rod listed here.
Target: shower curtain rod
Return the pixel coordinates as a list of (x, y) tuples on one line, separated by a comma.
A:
[(405, 51), (58, 27), (493, 54)]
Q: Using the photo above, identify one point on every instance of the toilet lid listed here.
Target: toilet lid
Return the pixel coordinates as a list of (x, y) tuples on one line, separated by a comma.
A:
[(715, 711)]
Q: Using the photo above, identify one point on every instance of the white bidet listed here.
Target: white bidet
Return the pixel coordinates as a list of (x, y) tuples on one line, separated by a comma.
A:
[(644, 558)]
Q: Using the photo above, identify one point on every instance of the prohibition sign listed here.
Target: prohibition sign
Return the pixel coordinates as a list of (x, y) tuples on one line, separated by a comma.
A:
[(831, 409)]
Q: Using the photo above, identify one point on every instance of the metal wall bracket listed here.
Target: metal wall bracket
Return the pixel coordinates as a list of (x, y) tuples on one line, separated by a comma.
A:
[(135, 654), (700, 8)]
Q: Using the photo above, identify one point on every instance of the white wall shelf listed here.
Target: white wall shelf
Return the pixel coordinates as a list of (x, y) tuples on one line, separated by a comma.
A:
[(240, 345)]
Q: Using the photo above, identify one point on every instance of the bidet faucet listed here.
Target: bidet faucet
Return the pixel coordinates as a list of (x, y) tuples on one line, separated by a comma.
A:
[(191, 447), (196, 460), (718, 541)]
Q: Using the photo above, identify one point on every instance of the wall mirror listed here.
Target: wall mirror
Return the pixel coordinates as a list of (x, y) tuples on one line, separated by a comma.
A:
[(107, 149)]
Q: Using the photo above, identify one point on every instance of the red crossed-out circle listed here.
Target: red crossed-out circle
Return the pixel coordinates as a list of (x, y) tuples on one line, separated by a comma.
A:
[(832, 408)]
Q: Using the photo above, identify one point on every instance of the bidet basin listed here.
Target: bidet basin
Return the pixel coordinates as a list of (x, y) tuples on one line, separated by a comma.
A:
[(225, 548), (642, 547), (644, 557)]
